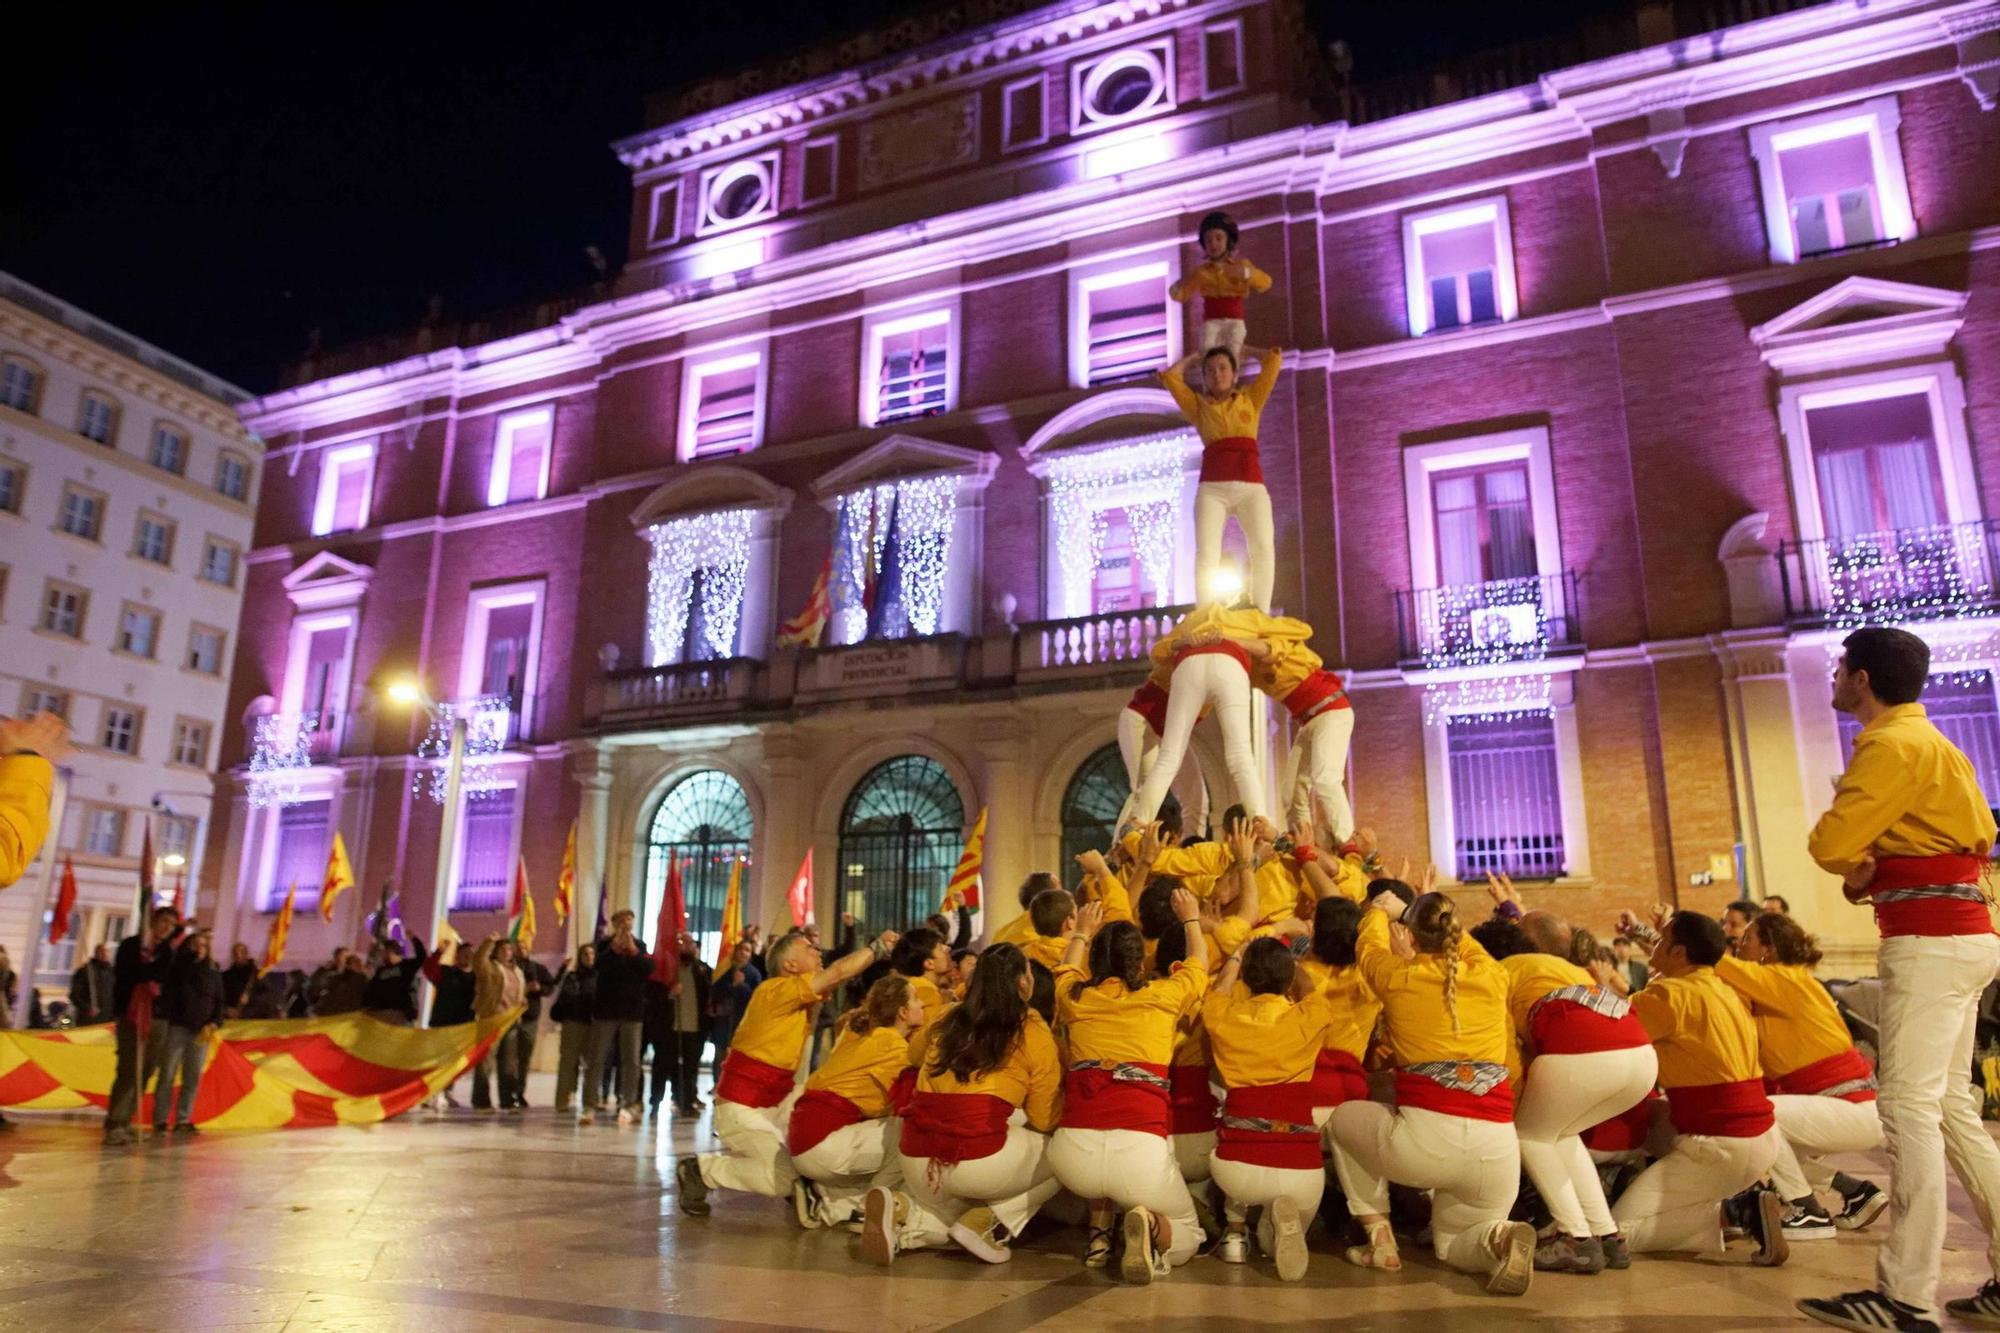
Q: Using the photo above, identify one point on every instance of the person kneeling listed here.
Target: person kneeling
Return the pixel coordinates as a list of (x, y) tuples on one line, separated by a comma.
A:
[(840, 1126)]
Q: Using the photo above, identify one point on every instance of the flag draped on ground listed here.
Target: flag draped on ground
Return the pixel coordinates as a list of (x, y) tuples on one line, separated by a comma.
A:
[(281, 930), (800, 895), (521, 912), (732, 915), (339, 877), (65, 904), (964, 880), (566, 879), (673, 920)]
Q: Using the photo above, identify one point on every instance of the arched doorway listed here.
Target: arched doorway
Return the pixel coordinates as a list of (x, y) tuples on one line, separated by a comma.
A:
[(900, 835), (1090, 806), (703, 824)]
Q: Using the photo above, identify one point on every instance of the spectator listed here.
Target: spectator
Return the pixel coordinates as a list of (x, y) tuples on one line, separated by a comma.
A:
[(498, 987), (677, 1027), (575, 991), (537, 983), (142, 964), (618, 1013), (728, 997), (237, 979), (90, 988), (324, 975), (191, 1002), (391, 995), (266, 996), (452, 1004), (344, 991), (1775, 902), (1628, 962), (1735, 919), (7, 1019), (29, 751)]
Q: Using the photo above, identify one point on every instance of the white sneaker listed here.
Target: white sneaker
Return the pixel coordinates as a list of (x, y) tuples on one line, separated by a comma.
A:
[(1136, 1264), (807, 1205), (1234, 1248), (1513, 1247), (1289, 1238), (878, 1226), (979, 1232)]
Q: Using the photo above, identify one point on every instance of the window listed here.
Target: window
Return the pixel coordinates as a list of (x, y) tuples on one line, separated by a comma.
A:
[(703, 825), (40, 699), (820, 172), (55, 961), (502, 638), (722, 406), (1222, 58), (1458, 266), (666, 220), (154, 539), (1485, 524), (82, 513), (205, 650), (98, 419), (346, 476), (104, 832), (1876, 460), (1092, 802), (218, 562), (232, 475), (486, 851), (890, 577), (13, 485), (900, 835), (1833, 180), (63, 609), (1122, 325), (1961, 705), (1506, 805), (1122, 87), (740, 192), (910, 371), (121, 730), (300, 853), (1024, 113), (1120, 579), (316, 670), (520, 468), (190, 743), (176, 835), (138, 631), (169, 449), (20, 384)]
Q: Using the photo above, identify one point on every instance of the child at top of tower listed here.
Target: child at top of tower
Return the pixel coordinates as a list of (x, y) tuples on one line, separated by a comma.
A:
[(1222, 279)]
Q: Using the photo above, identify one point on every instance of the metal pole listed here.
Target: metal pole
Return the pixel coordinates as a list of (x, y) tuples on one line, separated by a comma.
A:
[(454, 772)]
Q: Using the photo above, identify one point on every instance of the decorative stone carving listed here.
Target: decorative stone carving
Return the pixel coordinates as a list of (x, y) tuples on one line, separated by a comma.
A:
[(919, 142)]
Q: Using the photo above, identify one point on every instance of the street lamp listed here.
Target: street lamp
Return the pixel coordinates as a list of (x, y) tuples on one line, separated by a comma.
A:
[(409, 692)]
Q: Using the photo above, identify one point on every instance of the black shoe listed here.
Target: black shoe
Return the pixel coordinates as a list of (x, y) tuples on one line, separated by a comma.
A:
[(1807, 1220), (1617, 1254), (1767, 1228), (1868, 1311), (693, 1189), (1861, 1207), (1983, 1307)]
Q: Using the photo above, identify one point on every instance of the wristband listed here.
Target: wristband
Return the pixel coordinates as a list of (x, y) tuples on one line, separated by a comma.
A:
[(1507, 911), (1305, 855)]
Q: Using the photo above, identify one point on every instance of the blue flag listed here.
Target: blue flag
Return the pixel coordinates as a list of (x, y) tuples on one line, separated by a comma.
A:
[(886, 619)]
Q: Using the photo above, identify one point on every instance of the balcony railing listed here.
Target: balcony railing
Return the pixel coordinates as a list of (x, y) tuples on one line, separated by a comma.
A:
[(679, 688), (295, 740), (1887, 578), (1086, 644), (1489, 624)]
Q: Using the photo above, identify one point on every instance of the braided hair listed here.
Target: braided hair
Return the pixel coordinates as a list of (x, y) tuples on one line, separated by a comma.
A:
[(1434, 925), (1117, 952)]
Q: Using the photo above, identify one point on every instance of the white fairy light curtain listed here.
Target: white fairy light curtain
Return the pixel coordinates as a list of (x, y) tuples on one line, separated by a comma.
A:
[(1145, 479), (281, 751), (486, 724), (704, 557), (889, 559)]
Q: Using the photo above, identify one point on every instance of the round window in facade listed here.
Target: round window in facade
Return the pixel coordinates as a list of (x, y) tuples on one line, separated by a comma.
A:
[(1125, 85), (740, 192)]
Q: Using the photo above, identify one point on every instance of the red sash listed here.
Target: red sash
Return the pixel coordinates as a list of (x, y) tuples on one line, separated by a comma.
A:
[(749, 1082), (1562, 1028), (1193, 1100), (1321, 687), (1940, 915), (1811, 1080), (904, 1088), (1623, 1133), (1722, 1110), (1429, 1095), (1150, 702), (1232, 458), (1270, 1125), (816, 1114), (1221, 307), (1338, 1077), (1097, 1098), (1226, 648), (952, 1127)]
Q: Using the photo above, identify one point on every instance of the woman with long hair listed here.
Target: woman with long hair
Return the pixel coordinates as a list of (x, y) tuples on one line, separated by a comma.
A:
[(1112, 1149), (973, 1177), (841, 1124), (1452, 1131)]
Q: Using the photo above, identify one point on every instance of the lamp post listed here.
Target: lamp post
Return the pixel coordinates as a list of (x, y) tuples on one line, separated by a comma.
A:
[(410, 693)]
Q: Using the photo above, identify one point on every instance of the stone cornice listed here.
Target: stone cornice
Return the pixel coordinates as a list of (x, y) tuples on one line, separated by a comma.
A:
[(45, 337)]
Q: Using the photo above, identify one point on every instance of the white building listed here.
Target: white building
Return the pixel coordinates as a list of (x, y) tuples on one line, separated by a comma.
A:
[(127, 493)]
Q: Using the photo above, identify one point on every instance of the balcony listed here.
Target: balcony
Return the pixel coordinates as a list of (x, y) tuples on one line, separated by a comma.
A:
[(679, 690), (295, 740), (1886, 578), (1489, 624), (1089, 645)]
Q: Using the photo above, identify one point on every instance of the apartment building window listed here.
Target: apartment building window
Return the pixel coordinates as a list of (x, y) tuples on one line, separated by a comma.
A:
[(104, 832), (20, 384), (486, 850), (138, 630), (232, 475), (218, 563), (63, 608), (1122, 86), (205, 650), (1120, 580), (1122, 325), (1222, 57), (1485, 524), (190, 743), (1024, 113), (346, 478), (722, 406), (520, 468), (1833, 180), (13, 486), (1877, 465), (303, 833), (1961, 705), (1506, 803), (1458, 266), (98, 418), (819, 176), (502, 633), (169, 449), (82, 513), (40, 699), (316, 670), (154, 539), (911, 370), (121, 730)]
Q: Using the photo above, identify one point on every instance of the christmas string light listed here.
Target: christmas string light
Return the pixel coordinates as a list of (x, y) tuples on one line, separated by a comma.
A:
[(717, 544), (1923, 579), (1146, 479), (1485, 628), (487, 719), (281, 750), (923, 511)]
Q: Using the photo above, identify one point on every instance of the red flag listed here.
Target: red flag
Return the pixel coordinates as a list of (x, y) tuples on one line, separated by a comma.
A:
[(800, 895), (667, 934), (146, 872), (180, 889), (65, 904)]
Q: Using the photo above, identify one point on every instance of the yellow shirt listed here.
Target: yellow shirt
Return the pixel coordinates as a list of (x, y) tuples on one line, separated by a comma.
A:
[(1259, 1040), (1108, 1022), (1700, 1028), (1016, 932), (1232, 416), (1350, 878), (863, 1068), (1532, 976), (1245, 623), (1228, 276), (1030, 1077), (1355, 1007), (776, 1020), (1286, 668), (1906, 792), (1197, 867), (1048, 950), (1412, 993), (25, 782), (1797, 1023)]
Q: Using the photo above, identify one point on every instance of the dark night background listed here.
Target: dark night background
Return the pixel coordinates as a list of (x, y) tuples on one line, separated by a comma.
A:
[(219, 180)]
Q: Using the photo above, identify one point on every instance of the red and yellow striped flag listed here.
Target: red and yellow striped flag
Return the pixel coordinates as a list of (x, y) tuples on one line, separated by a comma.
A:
[(281, 929), (810, 623), (964, 880), (566, 879), (339, 877), (732, 915)]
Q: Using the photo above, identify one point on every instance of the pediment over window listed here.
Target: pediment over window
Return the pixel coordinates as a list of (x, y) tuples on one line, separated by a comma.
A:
[(1861, 321), (327, 580), (904, 456), (1116, 416), (709, 487)]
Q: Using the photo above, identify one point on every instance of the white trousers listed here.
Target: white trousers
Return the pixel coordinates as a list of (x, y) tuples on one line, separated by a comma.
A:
[(1198, 681), (1246, 1184), (1137, 748), (1929, 1107), (1812, 1127), (1367, 1194), (1014, 1182), (1316, 770), (849, 1162), (754, 1159), (1132, 1169), (1191, 1154), (1562, 1096), (1224, 333), (1471, 1167), (1676, 1203), (1250, 505)]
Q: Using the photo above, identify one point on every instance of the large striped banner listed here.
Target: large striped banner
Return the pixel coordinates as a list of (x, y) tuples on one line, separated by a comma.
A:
[(295, 1073)]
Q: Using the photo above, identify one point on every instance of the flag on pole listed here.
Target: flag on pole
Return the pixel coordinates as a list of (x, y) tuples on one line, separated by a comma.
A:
[(885, 595), (566, 879), (274, 947), (65, 904), (673, 921), (180, 892), (146, 876), (521, 913), (809, 625), (800, 895), (965, 878), (732, 915), (603, 910), (339, 877)]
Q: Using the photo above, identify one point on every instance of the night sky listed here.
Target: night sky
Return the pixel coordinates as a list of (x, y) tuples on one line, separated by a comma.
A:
[(219, 181)]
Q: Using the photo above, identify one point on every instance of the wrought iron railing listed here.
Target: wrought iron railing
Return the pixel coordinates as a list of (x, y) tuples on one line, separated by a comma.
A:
[(1489, 624), (1886, 578)]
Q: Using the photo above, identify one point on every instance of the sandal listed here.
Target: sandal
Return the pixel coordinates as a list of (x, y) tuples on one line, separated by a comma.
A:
[(1380, 1251), (1097, 1250)]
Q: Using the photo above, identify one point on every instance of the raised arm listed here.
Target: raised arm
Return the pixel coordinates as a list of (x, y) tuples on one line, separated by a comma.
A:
[(854, 964), (1260, 388), (1174, 380)]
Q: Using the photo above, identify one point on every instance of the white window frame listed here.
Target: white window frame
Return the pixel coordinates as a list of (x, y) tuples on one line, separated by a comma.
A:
[(1008, 143), (1877, 119), (153, 447), (209, 543), (138, 716), (82, 608), (37, 698), (666, 200), (1422, 463), (875, 328), (330, 464), (472, 661), (1084, 281), (222, 463), (19, 470), (1569, 785), (83, 492), (152, 653), (718, 179), (514, 782), (293, 693), (698, 370), (184, 728), (91, 817), (171, 528), (267, 845), (221, 649), (1465, 213), (1233, 28), (1055, 591), (502, 469), (38, 377), (830, 142), (110, 440), (1086, 76)]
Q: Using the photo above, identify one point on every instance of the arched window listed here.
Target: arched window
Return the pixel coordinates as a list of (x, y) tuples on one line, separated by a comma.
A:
[(900, 836), (1090, 807), (703, 824)]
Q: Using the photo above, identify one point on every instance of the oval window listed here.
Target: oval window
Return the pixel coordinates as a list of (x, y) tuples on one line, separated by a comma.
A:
[(1124, 90), (739, 197)]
